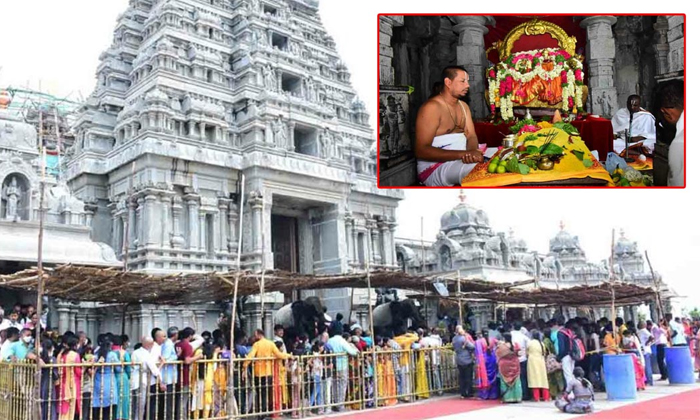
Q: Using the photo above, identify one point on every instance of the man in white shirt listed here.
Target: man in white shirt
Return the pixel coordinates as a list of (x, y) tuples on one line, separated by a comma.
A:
[(645, 339), (522, 341), (677, 331), (144, 375), (643, 125), (671, 106)]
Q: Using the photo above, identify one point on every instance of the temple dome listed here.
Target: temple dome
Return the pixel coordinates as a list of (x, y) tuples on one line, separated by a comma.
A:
[(624, 246), (463, 216), (564, 243)]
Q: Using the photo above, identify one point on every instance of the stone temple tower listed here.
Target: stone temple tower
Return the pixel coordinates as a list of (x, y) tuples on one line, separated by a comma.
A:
[(193, 94)]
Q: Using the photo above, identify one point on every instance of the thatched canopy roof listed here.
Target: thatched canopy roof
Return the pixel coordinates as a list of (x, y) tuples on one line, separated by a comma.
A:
[(112, 285), (625, 294)]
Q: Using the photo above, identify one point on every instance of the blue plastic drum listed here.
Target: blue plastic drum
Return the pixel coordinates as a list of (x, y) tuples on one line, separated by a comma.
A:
[(619, 377), (679, 365)]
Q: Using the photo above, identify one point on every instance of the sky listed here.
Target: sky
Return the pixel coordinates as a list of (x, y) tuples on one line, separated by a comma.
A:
[(57, 50)]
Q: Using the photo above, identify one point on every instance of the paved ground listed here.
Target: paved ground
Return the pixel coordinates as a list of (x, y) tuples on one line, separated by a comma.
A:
[(663, 401)]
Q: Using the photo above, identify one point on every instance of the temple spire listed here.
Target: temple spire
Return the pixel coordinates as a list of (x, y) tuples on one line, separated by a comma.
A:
[(462, 196)]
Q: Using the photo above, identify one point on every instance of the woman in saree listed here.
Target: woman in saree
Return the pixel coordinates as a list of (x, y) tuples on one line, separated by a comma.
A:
[(386, 376), (556, 378), (422, 390), (630, 345), (121, 343), (71, 380), (481, 377), (509, 370)]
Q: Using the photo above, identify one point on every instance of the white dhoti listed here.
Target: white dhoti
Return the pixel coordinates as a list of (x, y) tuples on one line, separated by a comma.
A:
[(445, 174), (643, 124)]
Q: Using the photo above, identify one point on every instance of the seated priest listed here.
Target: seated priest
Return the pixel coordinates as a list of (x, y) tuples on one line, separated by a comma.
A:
[(643, 128), (446, 144)]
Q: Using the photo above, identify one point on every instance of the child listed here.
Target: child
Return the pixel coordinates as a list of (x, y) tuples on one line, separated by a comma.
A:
[(317, 370)]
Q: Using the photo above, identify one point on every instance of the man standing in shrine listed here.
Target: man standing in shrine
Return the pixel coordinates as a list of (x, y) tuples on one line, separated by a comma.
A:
[(446, 142), (672, 103), (642, 122)]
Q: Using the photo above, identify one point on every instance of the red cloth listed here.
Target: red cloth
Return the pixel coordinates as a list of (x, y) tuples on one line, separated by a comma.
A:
[(597, 133), (184, 350)]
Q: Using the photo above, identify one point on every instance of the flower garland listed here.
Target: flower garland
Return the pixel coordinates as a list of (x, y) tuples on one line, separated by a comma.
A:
[(524, 66)]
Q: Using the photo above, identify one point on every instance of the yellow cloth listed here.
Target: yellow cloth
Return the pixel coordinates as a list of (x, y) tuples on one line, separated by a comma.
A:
[(421, 376), (405, 342), (569, 167), (263, 348)]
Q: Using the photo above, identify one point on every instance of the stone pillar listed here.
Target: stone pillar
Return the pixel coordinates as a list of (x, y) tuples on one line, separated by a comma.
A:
[(385, 242), (290, 136), (350, 237), (116, 236), (662, 48), (177, 240), (223, 243), (202, 130), (386, 52), (81, 321), (600, 54), (199, 315), (255, 200), (166, 222), (90, 210), (374, 244), (132, 224), (63, 310), (355, 244), (676, 37), (471, 55), (191, 125), (203, 230), (138, 228), (392, 249), (159, 319), (233, 227), (193, 219), (151, 226), (174, 318), (269, 135)]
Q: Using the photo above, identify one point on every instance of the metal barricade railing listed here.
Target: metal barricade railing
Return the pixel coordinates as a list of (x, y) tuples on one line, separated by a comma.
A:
[(260, 387)]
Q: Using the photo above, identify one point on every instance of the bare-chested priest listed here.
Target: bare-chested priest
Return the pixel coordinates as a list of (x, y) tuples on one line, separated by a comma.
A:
[(446, 143)]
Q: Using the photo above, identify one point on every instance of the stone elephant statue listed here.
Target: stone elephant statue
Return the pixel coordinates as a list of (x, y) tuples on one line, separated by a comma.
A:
[(392, 317)]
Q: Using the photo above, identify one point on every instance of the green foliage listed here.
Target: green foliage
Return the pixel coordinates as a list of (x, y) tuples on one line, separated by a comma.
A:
[(530, 137), (568, 128), (579, 154), (695, 313), (551, 149), (587, 163)]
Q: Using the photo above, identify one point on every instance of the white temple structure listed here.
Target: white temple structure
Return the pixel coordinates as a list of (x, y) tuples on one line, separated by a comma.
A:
[(467, 246), (193, 95)]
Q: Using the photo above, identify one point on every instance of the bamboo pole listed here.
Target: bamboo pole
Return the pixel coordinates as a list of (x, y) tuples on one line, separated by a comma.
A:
[(657, 293), (612, 287), (262, 269), (40, 269), (231, 398), (459, 294), (371, 329)]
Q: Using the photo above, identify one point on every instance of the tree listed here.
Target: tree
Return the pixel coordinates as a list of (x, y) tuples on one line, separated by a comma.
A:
[(695, 313)]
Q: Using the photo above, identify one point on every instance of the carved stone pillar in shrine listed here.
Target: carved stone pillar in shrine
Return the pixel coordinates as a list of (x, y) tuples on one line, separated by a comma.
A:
[(600, 55), (472, 56)]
